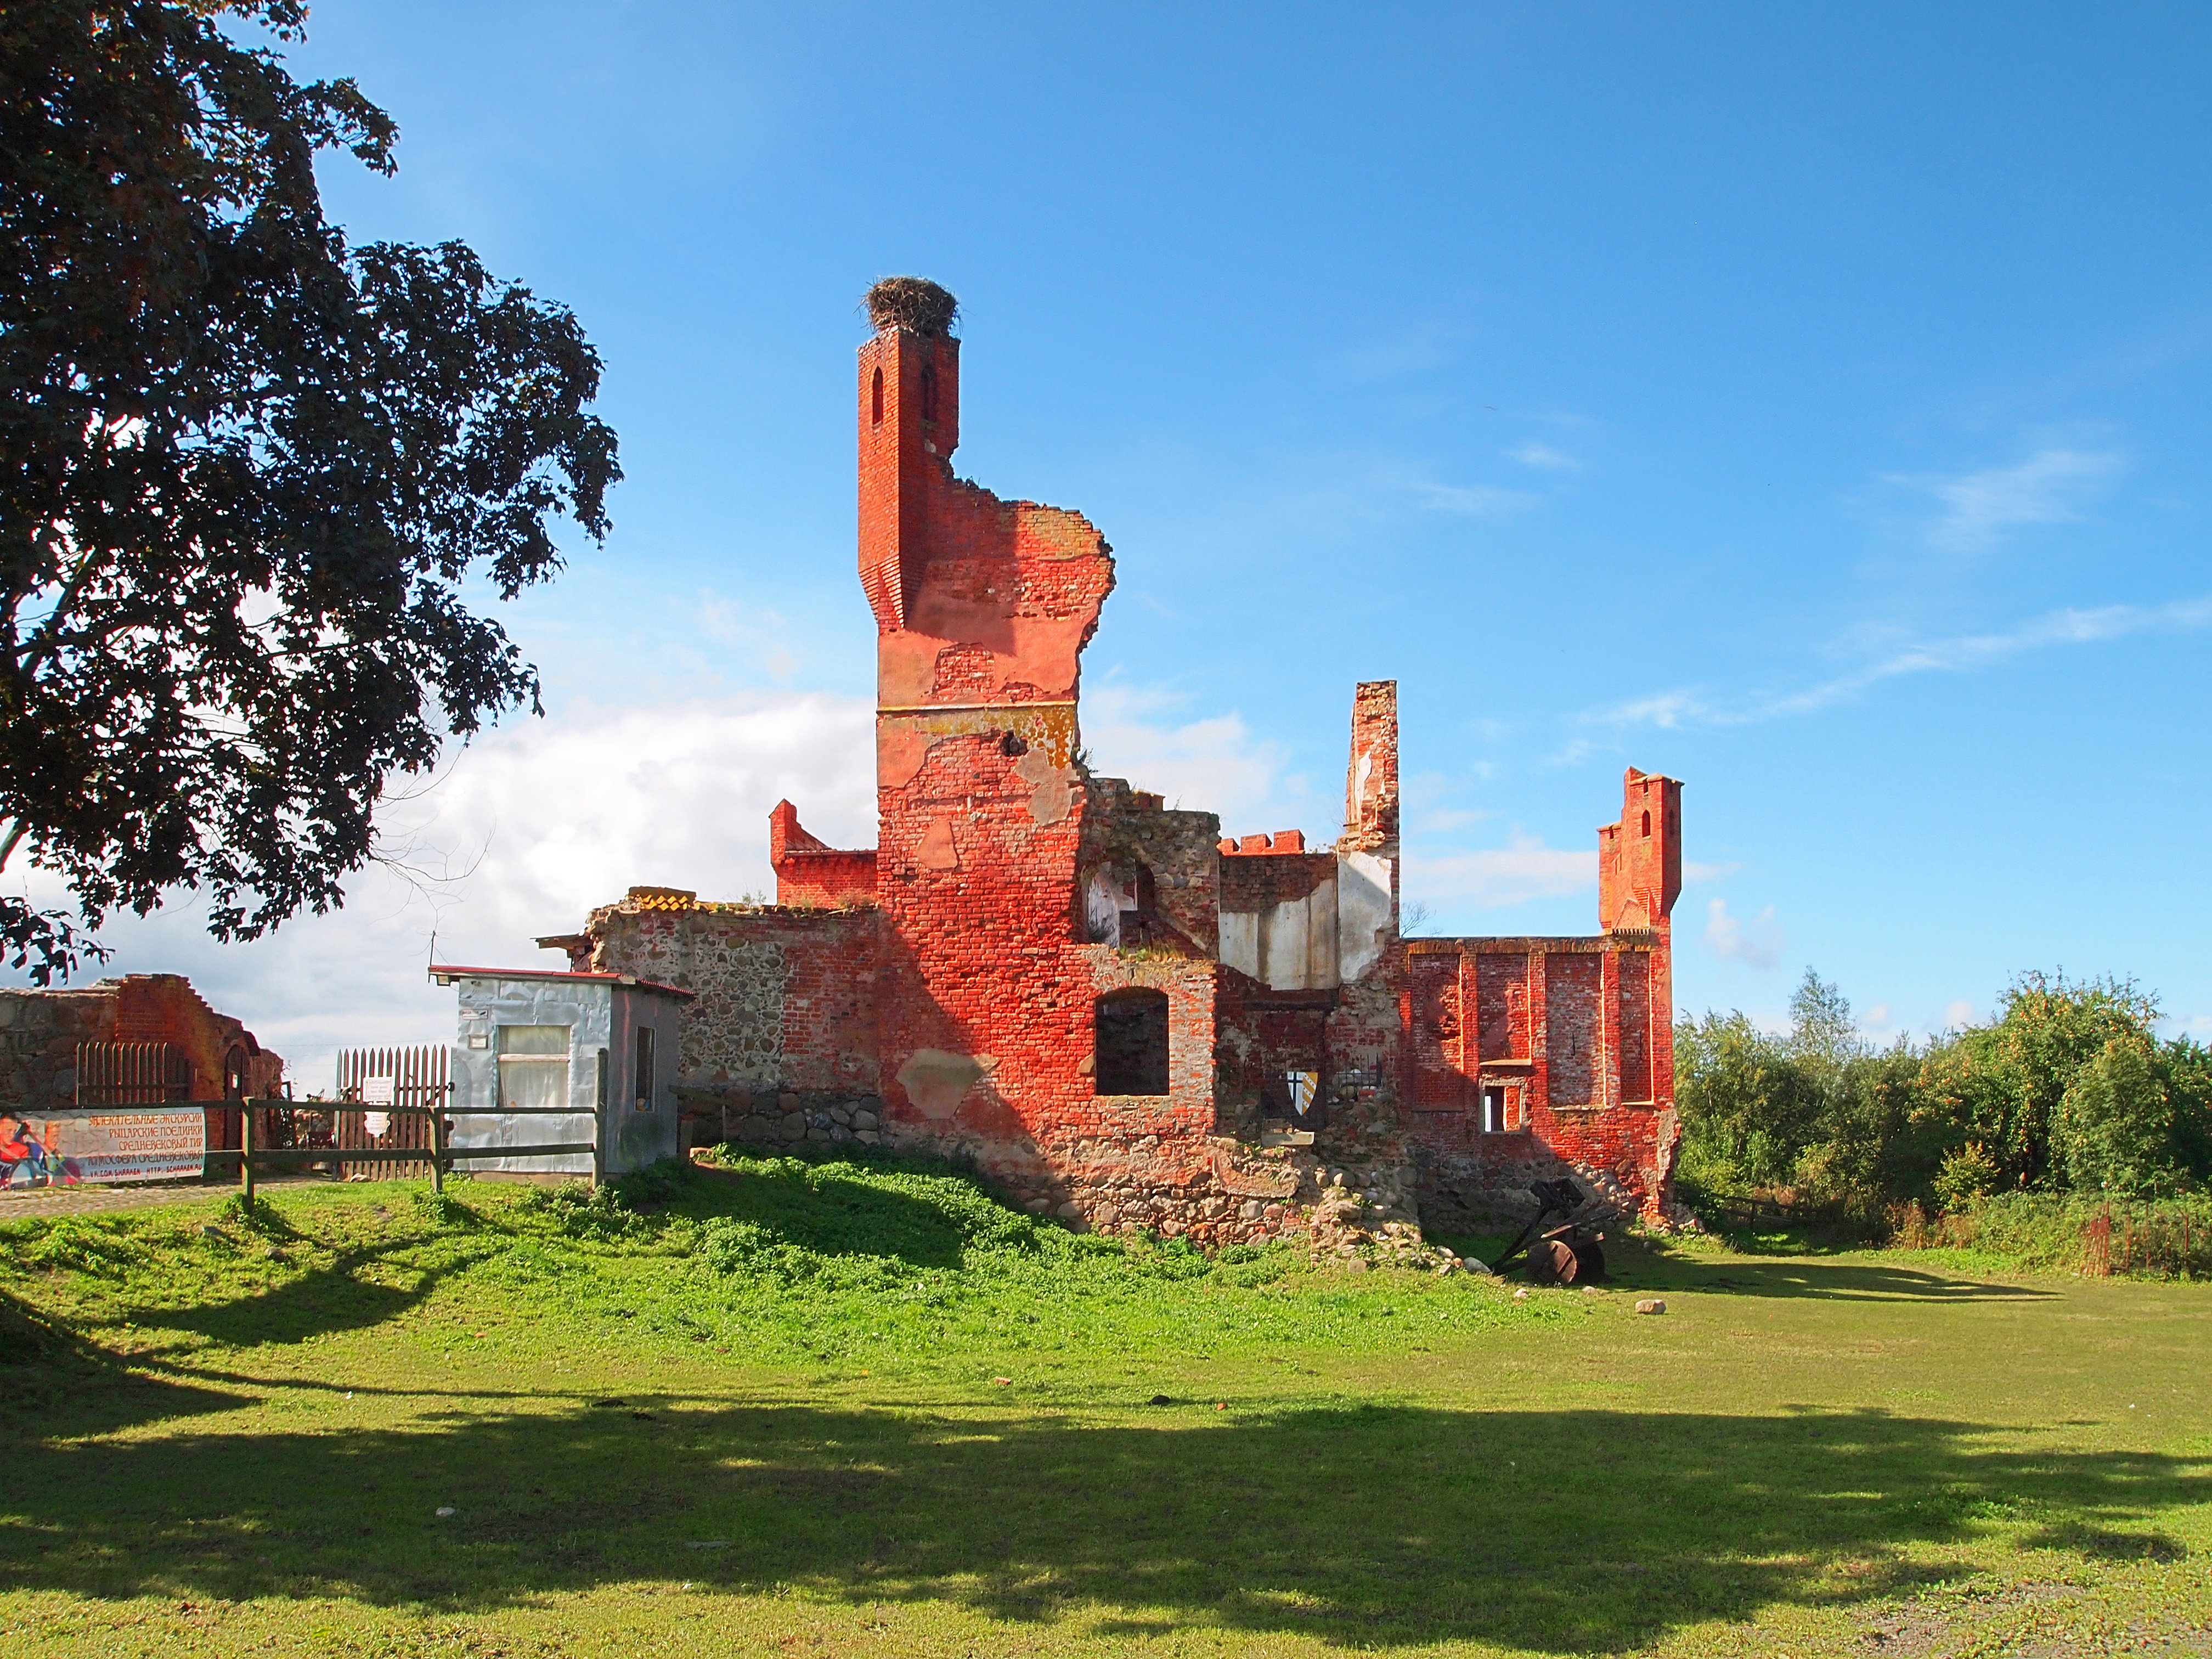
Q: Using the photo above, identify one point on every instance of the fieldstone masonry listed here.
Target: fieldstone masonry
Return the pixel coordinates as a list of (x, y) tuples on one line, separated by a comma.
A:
[(1314, 1075)]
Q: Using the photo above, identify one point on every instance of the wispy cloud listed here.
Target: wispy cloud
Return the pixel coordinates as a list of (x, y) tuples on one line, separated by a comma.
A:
[(2050, 487), (754, 629), (1959, 654), (1757, 943), (1474, 501), (1414, 351), (1542, 455)]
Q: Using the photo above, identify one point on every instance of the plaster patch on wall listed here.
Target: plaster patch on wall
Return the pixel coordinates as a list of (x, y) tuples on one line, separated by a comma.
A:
[(1362, 913), (935, 1081), (1273, 1182), (1054, 793), (936, 850), (900, 752)]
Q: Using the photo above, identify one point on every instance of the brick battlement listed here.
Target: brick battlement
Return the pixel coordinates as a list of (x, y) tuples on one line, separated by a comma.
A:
[(1283, 841)]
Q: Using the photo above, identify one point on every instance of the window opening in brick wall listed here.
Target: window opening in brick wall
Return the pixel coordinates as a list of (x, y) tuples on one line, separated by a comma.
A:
[(928, 393), (1494, 1111), (1647, 824), (533, 1066), (1131, 1057), (876, 401), (644, 1068)]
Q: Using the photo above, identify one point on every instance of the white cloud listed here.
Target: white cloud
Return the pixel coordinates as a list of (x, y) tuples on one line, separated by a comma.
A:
[(521, 835), (1695, 874), (1544, 456), (2047, 488), (1758, 943), (1959, 1015), (1495, 878), (1210, 765)]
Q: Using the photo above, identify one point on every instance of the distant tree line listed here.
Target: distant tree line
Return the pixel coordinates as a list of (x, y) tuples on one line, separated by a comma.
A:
[(2068, 1089)]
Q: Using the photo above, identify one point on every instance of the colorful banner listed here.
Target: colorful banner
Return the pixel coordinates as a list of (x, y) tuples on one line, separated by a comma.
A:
[(89, 1147)]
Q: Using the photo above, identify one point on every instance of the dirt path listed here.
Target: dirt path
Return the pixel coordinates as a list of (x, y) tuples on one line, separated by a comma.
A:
[(19, 1203)]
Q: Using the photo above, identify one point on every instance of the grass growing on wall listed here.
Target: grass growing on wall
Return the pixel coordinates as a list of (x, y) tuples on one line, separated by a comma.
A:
[(850, 1408)]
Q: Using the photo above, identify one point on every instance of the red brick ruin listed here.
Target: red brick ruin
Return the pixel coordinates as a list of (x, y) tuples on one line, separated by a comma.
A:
[(215, 1057), (1121, 1017)]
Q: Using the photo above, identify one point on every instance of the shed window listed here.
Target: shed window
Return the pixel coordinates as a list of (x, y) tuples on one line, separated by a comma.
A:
[(533, 1066), (644, 1091), (1132, 1044)]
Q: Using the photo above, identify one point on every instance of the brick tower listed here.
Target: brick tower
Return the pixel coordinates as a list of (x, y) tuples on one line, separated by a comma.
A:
[(983, 610)]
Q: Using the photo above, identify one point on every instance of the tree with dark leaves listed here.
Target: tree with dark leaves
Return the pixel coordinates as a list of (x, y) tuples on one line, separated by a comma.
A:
[(246, 469)]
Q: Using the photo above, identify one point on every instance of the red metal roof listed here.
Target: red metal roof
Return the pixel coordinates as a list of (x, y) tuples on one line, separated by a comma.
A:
[(442, 972)]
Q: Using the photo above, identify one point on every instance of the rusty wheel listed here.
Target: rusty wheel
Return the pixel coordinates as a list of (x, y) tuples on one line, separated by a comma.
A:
[(1553, 1261)]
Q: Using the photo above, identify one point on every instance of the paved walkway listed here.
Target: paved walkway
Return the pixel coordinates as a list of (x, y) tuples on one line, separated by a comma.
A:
[(19, 1203)]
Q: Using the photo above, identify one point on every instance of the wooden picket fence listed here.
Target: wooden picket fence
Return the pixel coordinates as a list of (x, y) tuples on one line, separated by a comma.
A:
[(405, 1085), (132, 1074)]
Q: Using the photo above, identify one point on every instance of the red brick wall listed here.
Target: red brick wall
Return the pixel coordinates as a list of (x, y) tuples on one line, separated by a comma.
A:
[(1566, 1026), (809, 873)]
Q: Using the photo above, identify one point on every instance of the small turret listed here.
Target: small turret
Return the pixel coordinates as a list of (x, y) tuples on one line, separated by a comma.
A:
[(910, 427), (1639, 859)]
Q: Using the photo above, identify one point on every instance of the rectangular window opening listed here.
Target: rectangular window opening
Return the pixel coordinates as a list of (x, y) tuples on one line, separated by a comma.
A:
[(1493, 1111), (1132, 1053), (644, 1091), (533, 1066)]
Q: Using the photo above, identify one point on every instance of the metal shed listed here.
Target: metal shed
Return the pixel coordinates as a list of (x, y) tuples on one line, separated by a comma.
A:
[(532, 1042)]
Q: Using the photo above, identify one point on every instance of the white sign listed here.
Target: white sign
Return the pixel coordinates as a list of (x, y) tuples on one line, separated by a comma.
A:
[(95, 1147), (379, 1091)]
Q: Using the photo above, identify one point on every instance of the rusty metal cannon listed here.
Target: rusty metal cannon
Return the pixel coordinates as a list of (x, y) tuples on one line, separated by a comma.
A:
[(1571, 1254)]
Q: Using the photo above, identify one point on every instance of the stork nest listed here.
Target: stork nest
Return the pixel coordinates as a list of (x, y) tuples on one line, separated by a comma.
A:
[(912, 303)]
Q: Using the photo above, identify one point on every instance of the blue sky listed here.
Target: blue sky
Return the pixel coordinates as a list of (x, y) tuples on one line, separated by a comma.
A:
[(1807, 402)]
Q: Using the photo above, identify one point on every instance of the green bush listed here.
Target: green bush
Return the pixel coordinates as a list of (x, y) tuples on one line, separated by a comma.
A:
[(2068, 1090)]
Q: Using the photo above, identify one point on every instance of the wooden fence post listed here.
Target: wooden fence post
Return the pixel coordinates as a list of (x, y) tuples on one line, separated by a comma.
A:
[(437, 1143), (246, 1153), (599, 1127)]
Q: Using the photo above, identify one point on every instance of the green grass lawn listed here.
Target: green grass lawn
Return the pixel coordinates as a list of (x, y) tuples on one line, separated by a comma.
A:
[(836, 1409)]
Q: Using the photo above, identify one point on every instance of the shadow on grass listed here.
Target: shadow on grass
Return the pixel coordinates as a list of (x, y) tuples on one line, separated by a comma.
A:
[(46, 1370), (1799, 1276), (353, 1290), (1559, 1531), (319, 1302), (833, 1217)]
